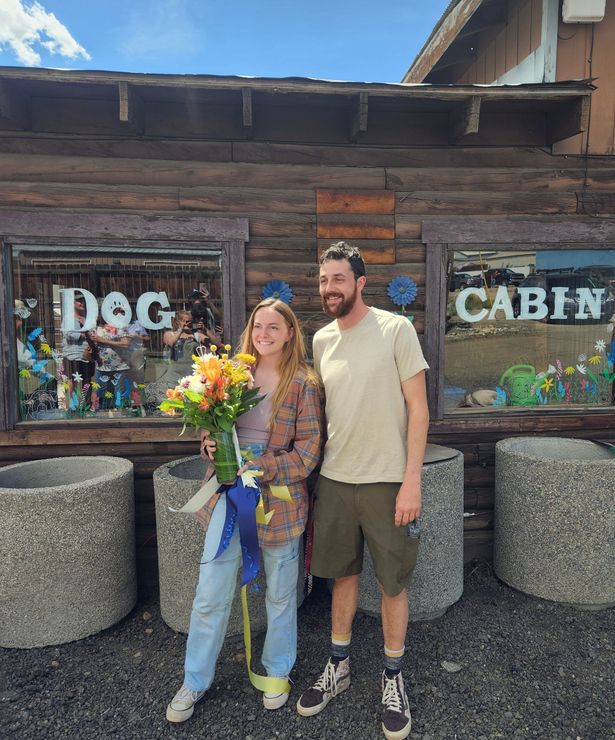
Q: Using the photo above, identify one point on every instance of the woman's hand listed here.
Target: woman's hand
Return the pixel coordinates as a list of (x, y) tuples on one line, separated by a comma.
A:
[(208, 445)]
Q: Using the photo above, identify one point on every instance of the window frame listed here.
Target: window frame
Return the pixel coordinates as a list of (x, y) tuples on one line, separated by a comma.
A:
[(440, 236), (81, 230)]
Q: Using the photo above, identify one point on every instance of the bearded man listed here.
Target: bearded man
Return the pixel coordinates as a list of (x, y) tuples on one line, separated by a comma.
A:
[(369, 489)]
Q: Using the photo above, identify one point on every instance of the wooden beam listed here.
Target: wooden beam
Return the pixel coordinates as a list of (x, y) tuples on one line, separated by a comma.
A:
[(358, 121), (464, 119), (247, 112), (441, 39), (131, 108), (13, 106), (568, 119)]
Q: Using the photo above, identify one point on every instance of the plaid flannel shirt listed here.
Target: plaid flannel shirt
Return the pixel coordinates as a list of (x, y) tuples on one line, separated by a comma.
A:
[(293, 451)]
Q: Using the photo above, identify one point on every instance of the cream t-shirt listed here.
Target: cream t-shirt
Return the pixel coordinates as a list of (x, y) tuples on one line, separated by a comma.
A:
[(362, 369)]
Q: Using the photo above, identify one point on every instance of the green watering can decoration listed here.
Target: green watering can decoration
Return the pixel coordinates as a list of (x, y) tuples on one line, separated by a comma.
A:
[(521, 381)]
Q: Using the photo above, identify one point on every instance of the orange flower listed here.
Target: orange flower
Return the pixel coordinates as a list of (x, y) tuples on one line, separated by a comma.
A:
[(204, 405), (209, 367), (173, 394)]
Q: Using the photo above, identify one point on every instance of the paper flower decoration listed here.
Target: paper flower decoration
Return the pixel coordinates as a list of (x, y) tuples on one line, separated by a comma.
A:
[(277, 289), (402, 290)]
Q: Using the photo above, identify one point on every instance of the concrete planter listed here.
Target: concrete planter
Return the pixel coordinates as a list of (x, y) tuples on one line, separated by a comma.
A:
[(437, 582), (555, 519), (68, 549), (180, 546)]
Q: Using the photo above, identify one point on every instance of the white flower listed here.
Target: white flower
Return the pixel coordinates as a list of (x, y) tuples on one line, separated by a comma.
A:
[(582, 369), (600, 345), (196, 384), (550, 370), (77, 378), (32, 302), (582, 357), (22, 312), (248, 477)]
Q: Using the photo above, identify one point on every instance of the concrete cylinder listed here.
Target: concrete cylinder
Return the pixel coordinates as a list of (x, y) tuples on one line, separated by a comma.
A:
[(67, 548), (554, 534), (437, 581), (180, 547)]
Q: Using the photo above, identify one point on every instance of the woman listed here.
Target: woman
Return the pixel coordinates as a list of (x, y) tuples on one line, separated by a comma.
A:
[(287, 426)]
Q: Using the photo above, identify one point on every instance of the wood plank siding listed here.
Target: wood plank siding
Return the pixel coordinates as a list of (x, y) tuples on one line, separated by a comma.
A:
[(297, 198)]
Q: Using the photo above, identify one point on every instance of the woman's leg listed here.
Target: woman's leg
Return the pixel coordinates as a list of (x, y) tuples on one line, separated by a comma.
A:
[(282, 571), (212, 604)]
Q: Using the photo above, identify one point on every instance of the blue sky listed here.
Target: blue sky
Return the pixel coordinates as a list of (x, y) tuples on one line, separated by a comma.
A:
[(363, 40)]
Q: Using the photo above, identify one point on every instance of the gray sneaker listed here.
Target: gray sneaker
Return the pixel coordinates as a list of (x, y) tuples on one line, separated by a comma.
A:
[(332, 681), (396, 719), (182, 704)]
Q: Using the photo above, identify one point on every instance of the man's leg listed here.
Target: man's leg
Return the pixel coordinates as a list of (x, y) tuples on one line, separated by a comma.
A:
[(394, 611), (344, 604)]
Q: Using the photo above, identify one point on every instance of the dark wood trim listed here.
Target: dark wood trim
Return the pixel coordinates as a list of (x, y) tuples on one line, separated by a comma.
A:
[(542, 231), (435, 316), (17, 225), (234, 284), (247, 112), (572, 118), (8, 359)]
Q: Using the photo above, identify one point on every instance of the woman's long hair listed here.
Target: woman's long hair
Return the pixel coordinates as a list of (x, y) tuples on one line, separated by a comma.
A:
[(293, 354)]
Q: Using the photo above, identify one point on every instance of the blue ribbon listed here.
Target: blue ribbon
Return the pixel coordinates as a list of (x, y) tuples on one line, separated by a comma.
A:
[(240, 511)]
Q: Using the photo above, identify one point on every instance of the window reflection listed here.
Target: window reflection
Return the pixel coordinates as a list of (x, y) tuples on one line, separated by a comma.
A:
[(91, 327), (530, 328)]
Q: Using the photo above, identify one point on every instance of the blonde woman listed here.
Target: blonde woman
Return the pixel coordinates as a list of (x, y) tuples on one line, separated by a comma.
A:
[(283, 432)]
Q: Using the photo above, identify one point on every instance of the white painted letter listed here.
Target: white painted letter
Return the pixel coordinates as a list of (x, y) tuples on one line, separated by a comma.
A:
[(558, 302), (112, 302), (143, 304), (460, 304), (502, 302), (590, 298), (67, 300), (533, 298)]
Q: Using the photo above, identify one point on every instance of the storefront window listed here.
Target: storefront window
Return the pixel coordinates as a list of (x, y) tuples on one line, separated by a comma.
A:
[(530, 328), (102, 332)]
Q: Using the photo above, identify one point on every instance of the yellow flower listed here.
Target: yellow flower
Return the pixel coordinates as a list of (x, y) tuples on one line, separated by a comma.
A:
[(547, 385), (213, 348), (227, 347), (25, 373), (108, 394), (595, 360), (246, 358), (569, 370), (140, 385), (95, 385), (46, 348)]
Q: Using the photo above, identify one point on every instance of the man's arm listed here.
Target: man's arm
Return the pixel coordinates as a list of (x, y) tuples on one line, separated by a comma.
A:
[(408, 505)]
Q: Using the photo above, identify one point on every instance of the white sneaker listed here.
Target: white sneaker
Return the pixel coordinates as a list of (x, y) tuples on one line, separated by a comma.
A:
[(332, 681), (275, 701), (182, 704)]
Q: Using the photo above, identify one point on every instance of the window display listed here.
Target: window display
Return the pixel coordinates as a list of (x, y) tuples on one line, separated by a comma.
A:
[(530, 328), (103, 332)]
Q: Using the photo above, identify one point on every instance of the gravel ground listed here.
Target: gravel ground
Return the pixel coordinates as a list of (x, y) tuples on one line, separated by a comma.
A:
[(498, 665)]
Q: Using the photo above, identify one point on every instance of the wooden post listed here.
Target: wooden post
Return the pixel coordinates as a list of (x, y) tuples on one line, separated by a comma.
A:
[(464, 119), (248, 120), (358, 121)]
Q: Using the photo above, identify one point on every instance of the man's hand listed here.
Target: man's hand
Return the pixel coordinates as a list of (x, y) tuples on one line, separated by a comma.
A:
[(407, 504)]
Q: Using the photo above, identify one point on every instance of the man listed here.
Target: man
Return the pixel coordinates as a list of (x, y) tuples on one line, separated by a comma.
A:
[(373, 372)]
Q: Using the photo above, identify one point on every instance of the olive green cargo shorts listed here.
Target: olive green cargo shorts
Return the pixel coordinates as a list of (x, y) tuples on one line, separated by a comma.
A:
[(348, 514)]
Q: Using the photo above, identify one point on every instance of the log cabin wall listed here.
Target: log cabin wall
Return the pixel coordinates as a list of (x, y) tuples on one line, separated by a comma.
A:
[(376, 190)]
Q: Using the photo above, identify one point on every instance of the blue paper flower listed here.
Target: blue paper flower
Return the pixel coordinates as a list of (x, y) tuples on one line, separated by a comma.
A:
[(277, 289), (402, 290)]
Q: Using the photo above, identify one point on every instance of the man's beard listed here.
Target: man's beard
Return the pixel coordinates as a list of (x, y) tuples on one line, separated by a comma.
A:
[(343, 308)]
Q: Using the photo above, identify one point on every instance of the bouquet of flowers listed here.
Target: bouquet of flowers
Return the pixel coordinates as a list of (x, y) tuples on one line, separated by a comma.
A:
[(220, 389)]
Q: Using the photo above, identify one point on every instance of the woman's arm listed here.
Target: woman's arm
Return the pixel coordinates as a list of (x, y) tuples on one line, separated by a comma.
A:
[(283, 467)]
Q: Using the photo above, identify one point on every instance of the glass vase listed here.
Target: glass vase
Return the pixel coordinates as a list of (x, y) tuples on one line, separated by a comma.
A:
[(225, 458)]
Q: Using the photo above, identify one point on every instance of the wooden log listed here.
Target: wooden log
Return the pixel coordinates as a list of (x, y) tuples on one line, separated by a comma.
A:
[(115, 171), (247, 113), (571, 120), (239, 200), (355, 226), (131, 108), (59, 195), (355, 201), (485, 203)]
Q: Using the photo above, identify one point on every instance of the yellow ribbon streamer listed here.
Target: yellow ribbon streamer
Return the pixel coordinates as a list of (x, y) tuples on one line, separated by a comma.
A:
[(262, 683)]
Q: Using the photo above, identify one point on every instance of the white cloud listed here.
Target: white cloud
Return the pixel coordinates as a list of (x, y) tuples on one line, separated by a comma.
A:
[(171, 27), (25, 25)]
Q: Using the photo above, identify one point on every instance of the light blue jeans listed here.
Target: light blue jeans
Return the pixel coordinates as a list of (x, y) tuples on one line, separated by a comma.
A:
[(214, 595)]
